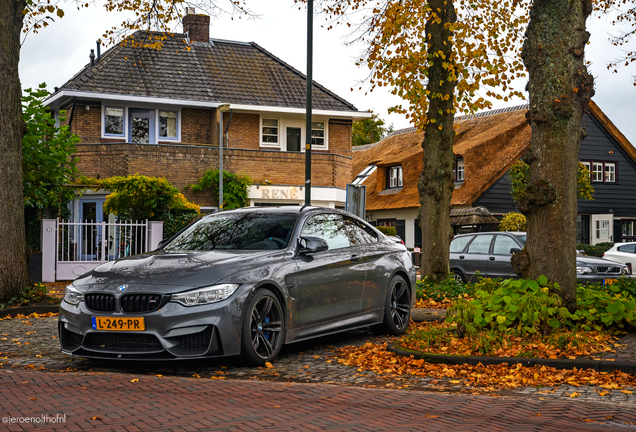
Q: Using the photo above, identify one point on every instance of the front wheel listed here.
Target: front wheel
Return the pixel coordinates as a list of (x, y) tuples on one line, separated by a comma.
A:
[(397, 308), (263, 328), (458, 276)]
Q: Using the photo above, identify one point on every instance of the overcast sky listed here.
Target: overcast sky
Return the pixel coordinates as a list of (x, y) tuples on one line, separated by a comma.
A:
[(62, 49)]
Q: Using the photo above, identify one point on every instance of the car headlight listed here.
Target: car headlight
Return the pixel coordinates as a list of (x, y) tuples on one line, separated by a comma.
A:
[(624, 270), (584, 270), (207, 295), (72, 295)]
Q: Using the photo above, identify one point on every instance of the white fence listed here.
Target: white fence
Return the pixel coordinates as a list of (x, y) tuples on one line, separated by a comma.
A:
[(78, 247)]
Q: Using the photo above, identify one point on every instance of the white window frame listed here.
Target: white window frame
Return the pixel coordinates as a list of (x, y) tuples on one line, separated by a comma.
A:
[(609, 173), (630, 224), (459, 173), (602, 229), (325, 145), (142, 106), (600, 173), (260, 132), (125, 128), (396, 177), (158, 126)]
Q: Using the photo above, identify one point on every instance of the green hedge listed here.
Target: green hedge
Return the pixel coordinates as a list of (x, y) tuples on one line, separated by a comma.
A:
[(597, 250), (390, 231)]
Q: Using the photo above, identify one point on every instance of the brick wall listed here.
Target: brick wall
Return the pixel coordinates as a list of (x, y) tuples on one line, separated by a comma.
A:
[(196, 126), (244, 130), (182, 165)]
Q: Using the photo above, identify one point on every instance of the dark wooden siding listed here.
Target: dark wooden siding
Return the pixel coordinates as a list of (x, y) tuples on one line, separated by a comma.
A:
[(620, 197)]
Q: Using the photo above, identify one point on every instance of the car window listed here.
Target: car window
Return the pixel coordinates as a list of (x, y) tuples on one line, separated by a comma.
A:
[(359, 233), (480, 245), (503, 244), (458, 244), (521, 238), (627, 248), (329, 227), (241, 230)]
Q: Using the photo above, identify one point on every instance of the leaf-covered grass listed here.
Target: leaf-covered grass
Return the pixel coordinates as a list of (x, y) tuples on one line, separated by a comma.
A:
[(441, 294)]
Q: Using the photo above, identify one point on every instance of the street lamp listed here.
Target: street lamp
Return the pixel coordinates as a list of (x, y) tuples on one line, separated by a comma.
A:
[(222, 108)]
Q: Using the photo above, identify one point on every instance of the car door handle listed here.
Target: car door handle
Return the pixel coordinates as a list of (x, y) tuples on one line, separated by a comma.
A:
[(354, 258), (461, 257), (491, 258)]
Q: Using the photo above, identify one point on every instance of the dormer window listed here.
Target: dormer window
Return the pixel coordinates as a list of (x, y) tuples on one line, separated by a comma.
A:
[(394, 179), (459, 170)]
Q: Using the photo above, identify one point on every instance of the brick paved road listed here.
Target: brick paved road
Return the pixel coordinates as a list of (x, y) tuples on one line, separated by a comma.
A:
[(190, 404)]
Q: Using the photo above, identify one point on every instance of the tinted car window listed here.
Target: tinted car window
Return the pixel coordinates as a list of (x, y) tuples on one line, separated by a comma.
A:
[(503, 244), (359, 233), (627, 248), (458, 244), (329, 227), (481, 244), (255, 231)]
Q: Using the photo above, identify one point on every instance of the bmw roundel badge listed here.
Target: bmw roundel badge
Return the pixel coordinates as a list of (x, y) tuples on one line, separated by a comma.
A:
[(122, 288)]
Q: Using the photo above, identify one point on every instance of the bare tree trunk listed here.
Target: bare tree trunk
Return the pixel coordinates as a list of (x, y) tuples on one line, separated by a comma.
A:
[(560, 89), (13, 263), (436, 182)]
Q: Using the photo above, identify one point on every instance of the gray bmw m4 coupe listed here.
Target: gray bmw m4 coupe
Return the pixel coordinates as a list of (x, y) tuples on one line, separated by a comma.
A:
[(243, 282)]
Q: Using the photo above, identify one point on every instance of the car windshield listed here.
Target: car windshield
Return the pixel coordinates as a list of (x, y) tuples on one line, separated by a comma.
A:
[(231, 231), (521, 238)]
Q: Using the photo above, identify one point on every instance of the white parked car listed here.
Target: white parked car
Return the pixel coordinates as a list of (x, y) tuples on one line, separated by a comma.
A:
[(624, 253)]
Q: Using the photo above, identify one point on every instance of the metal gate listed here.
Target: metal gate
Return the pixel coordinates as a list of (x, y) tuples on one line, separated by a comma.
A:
[(82, 246)]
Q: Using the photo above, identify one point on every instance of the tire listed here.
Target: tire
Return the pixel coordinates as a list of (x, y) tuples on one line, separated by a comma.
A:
[(263, 328), (458, 276), (397, 308)]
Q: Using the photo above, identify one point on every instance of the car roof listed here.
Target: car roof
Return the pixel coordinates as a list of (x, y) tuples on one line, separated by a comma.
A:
[(515, 233)]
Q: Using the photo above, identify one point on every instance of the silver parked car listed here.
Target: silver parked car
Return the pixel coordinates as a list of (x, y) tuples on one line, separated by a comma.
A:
[(241, 282), (489, 253)]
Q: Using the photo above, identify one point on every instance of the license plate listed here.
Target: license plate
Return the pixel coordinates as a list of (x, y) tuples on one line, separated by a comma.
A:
[(118, 324), (609, 281)]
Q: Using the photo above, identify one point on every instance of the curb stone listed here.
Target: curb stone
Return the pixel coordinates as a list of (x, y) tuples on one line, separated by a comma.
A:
[(597, 365), (28, 310)]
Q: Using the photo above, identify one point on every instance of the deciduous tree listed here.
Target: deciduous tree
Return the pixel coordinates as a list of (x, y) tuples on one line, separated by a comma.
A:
[(441, 59), (368, 131)]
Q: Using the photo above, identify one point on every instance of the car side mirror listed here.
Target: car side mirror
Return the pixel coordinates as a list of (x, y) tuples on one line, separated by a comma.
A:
[(162, 243), (309, 245), (514, 250)]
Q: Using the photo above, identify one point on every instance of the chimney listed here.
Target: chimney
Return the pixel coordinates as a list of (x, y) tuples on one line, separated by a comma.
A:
[(197, 26), (92, 57)]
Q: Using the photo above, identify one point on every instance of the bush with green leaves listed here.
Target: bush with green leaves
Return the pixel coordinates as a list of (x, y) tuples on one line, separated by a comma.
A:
[(596, 250), (513, 221), (33, 294), (389, 231), (438, 291), (235, 187), (526, 306)]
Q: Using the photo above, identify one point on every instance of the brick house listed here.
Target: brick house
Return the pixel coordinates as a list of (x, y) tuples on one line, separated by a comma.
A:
[(485, 148), (154, 112)]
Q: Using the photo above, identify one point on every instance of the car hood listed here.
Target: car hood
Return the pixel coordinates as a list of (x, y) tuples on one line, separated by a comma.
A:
[(585, 260), (170, 272)]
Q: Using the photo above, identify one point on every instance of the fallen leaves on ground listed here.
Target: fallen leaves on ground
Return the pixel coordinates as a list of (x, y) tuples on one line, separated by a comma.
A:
[(376, 358), (33, 315), (439, 338), (428, 303)]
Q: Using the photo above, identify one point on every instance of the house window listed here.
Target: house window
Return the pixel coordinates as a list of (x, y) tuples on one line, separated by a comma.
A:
[(168, 124), (587, 165), (459, 170), (628, 228), (318, 134), (395, 177), (114, 121), (597, 171), (610, 172), (269, 132)]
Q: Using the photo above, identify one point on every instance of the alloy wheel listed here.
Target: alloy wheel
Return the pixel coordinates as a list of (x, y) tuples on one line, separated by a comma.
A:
[(400, 307), (266, 327)]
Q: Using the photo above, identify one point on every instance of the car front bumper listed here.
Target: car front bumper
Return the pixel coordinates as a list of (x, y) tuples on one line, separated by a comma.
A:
[(597, 278), (172, 332)]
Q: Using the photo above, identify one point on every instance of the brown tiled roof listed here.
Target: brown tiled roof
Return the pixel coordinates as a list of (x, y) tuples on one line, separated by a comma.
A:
[(489, 145), (219, 71)]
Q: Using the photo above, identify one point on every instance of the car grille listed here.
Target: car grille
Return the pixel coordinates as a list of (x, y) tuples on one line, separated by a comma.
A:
[(100, 302), (123, 342), (140, 302), (608, 270), (195, 342)]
